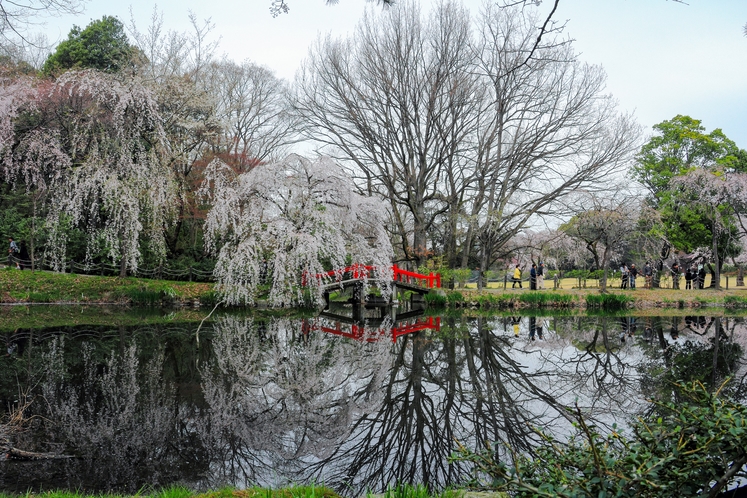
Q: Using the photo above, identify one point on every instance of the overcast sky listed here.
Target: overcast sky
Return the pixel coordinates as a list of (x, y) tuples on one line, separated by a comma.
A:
[(662, 58)]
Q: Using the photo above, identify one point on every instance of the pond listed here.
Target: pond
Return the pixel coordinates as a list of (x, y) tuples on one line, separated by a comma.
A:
[(253, 399)]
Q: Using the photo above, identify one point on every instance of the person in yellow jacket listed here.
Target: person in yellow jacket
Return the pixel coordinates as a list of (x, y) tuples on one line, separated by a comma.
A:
[(517, 277)]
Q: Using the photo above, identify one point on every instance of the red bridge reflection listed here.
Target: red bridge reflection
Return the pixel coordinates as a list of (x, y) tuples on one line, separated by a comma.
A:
[(368, 333)]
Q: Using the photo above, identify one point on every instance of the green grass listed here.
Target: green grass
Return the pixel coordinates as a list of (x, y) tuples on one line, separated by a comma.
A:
[(47, 287), (420, 491), (308, 491)]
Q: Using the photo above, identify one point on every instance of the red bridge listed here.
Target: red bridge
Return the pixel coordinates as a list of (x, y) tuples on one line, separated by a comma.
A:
[(400, 277)]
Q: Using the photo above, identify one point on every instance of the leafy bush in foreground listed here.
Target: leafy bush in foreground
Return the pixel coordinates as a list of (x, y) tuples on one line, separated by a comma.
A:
[(695, 447)]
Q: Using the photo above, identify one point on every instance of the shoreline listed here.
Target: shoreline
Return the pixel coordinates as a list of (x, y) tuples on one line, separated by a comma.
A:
[(26, 288)]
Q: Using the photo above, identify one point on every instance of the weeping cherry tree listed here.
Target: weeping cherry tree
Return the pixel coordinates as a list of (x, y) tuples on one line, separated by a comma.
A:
[(94, 143), (289, 223)]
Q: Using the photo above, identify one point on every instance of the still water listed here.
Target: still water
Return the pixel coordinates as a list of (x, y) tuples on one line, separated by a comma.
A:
[(266, 400)]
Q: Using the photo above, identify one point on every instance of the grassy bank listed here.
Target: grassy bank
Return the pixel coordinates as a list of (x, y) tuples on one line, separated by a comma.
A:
[(45, 287), (311, 491)]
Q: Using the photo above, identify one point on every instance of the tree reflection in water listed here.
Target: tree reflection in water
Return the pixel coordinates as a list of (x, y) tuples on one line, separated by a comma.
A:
[(271, 401), (280, 404)]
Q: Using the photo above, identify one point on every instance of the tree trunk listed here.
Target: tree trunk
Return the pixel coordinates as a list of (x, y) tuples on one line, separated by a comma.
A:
[(605, 264), (663, 255), (419, 238), (33, 233), (715, 275)]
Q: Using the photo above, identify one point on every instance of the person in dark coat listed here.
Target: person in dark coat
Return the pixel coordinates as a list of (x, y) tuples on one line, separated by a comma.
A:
[(675, 276), (701, 276), (533, 277), (633, 274), (689, 278), (647, 275)]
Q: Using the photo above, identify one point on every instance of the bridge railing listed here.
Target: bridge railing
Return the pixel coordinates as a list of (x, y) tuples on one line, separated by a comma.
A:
[(364, 271), (410, 277)]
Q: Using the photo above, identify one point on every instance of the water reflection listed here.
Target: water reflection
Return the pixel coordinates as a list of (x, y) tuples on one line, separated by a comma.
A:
[(276, 400)]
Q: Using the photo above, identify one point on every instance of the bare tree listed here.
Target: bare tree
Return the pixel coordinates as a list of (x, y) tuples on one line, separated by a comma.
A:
[(176, 67), (281, 6), (254, 113), (397, 101), (548, 129), (18, 16), (464, 130)]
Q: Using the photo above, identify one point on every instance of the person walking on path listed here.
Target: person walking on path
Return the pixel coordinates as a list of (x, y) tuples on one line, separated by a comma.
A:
[(633, 274), (517, 277), (675, 276), (647, 274)]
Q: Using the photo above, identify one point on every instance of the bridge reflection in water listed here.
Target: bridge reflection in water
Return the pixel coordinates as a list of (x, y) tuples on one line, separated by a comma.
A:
[(372, 317)]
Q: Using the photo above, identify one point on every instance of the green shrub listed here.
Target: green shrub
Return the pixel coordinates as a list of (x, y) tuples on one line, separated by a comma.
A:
[(608, 302), (461, 276), (691, 447), (735, 302), (487, 301), (454, 297), (541, 299), (534, 298), (144, 297), (435, 299)]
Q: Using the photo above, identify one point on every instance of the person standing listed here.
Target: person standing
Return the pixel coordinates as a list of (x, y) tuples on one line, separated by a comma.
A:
[(633, 274), (12, 252), (533, 277), (675, 276), (624, 276), (647, 273), (541, 276), (701, 276), (517, 277), (689, 278)]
